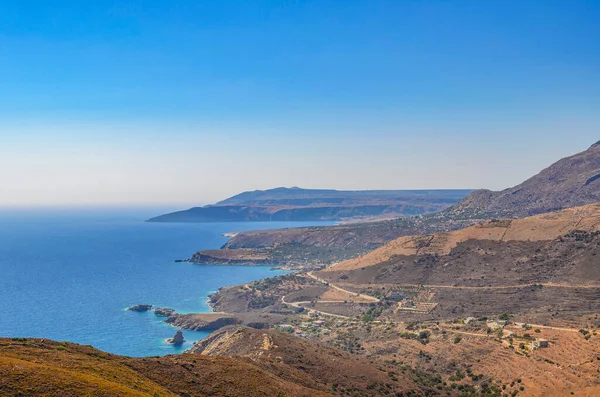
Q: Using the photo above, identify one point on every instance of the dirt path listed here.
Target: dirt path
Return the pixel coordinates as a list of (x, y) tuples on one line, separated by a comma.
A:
[(299, 305), (548, 327), (366, 297), (469, 333), (373, 299), (551, 285)]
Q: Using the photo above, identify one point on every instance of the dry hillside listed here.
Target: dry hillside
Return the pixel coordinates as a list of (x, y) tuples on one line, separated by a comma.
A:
[(571, 181), (37, 367), (542, 227), (308, 363)]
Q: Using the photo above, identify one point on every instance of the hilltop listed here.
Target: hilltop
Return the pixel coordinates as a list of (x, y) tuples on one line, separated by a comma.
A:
[(296, 204), (273, 364), (310, 363)]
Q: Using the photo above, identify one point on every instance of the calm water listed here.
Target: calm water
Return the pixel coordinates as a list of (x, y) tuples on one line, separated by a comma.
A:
[(70, 275)]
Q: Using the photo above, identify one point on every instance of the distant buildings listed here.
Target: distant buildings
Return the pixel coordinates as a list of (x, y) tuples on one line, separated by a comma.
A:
[(395, 296), (285, 326), (539, 344)]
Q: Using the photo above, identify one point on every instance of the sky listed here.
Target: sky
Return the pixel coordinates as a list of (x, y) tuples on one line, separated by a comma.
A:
[(188, 102)]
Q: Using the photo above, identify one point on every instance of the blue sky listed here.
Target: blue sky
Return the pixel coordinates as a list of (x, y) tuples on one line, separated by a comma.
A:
[(190, 101)]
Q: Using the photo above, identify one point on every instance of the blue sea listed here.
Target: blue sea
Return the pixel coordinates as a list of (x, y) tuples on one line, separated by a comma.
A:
[(70, 274)]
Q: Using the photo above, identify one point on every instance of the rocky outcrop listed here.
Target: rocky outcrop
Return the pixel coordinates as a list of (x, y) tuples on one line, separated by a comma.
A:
[(202, 322), (140, 308), (234, 257), (163, 311), (177, 339)]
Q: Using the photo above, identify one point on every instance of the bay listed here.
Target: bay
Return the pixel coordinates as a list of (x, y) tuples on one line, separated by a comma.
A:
[(69, 275)]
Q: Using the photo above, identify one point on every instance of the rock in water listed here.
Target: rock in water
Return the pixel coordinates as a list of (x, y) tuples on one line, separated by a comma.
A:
[(177, 339), (163, 311), (140, 308)]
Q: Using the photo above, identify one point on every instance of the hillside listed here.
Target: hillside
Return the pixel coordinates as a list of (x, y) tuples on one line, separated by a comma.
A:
[(38, 367), (438, 304), (273, 364), (314, 246), (570, 182), (542, 227), (296, 204), (308, 363)]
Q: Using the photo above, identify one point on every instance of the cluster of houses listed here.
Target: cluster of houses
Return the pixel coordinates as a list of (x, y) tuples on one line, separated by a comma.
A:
[(538, 343), (306, 328)]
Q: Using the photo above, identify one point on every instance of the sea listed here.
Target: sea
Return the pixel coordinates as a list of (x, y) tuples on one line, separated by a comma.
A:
[(69, 275)]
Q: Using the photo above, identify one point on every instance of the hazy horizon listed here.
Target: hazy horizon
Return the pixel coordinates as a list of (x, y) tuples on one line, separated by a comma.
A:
[(186, 103)]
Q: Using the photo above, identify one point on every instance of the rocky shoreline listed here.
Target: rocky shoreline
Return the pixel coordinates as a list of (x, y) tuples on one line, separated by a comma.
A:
[(208, 321), (202, 258)]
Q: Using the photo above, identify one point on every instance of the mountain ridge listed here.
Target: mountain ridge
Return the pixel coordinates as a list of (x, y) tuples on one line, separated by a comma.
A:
[(571, 181), (297, 204)]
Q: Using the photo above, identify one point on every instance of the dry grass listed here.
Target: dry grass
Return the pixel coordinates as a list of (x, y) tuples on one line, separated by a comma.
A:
[(34, 367), (570, 363)]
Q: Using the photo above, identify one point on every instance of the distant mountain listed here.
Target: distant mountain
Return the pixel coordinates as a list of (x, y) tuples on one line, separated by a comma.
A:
[(570, 182), (296, 204)]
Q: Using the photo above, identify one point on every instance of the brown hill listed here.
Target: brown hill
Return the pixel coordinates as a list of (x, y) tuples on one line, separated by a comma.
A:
[(542, 227), (308, 363), (37, 367), (571, 181)]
